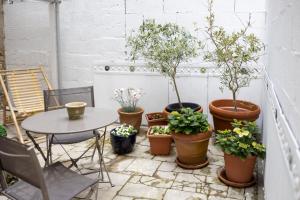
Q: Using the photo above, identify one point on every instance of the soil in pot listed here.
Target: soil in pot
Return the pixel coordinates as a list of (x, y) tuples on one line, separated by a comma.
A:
[(192, 149), (176, 107), (159, 144), (122, 145), (239, 170), (223, 112), (133, 118), (156, 119)]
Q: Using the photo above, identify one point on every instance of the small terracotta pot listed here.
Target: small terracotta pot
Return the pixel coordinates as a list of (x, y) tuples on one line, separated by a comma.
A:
[(239, 170), (133, 118), (192, 149), (156, 122), (159, 144), (223, 112)]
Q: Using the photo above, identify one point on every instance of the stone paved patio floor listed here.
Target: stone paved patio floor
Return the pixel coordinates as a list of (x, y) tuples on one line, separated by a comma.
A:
[(140, 175)]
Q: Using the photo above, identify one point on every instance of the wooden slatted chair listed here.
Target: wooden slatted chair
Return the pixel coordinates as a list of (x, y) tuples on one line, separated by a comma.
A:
[(23, 93)]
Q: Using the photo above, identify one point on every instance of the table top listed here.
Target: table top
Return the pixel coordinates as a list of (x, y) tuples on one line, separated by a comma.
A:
[(57, 121)]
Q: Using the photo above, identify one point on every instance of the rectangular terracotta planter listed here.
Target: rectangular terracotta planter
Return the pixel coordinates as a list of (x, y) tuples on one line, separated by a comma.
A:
[(159, 144), (156, 122)]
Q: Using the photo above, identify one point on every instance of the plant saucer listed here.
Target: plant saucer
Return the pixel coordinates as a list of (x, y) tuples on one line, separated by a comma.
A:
[(224, 179), (186, 166)]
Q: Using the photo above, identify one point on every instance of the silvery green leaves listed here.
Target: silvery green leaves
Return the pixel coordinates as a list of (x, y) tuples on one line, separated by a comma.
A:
[(235, 54), (127, 98), (164, 47), (188, 122), (124, 130)]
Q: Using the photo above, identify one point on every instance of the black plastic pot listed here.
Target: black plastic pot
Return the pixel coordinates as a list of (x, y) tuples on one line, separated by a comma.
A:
[(122, 145), (175, 106)]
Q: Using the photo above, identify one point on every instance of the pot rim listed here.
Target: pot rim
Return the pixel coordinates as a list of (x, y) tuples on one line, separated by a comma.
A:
[(119, 135), (203, 136), (139, 111), (250, 113), (248, 157), (199, 109), (157, 136)]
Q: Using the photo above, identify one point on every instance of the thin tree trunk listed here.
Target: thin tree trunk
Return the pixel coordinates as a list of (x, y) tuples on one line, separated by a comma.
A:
[(177, 92), (234, 101)]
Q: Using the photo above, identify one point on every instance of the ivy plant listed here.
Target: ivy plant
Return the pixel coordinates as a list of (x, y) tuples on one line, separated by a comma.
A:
[(241, 141), (188, 122), (124, 131), (164, 47), (235, 53), (2, 131)]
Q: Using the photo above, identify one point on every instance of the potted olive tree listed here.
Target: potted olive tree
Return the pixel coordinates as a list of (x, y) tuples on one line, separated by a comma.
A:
[(129, 113), (165, 47), (191, 133), (160, 140), (240, 149), (236, 55), (123, 139)]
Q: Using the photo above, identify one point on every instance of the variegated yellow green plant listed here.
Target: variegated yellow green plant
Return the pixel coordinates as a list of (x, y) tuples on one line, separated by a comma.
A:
[(241, 141), (160, 130)]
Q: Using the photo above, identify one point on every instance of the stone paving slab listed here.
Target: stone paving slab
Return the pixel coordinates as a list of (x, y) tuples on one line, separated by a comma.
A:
[(140, 175)]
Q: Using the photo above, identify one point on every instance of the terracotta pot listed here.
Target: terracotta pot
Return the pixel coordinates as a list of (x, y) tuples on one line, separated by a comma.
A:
[(152, 121), (223, 112), (175, 107), (133, 118), (159, 144), (192, 149), (239, 170)]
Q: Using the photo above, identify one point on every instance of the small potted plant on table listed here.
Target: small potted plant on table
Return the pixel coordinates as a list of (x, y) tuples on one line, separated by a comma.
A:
[(156, 119), (165, 47), (240, 149), (129, 113), (160, 140), (235, 55), (191, 133), (123, 139)]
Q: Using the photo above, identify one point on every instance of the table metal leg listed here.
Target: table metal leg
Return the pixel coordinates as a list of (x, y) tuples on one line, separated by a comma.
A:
[(36, 145)]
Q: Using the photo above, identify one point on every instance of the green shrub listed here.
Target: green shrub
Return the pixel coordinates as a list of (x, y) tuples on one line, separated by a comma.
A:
[(188, 122), (2, 131)]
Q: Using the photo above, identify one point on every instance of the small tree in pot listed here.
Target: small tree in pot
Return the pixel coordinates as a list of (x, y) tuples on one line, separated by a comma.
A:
[(235, 55), (164, 47), (191, 133), (240, 149)]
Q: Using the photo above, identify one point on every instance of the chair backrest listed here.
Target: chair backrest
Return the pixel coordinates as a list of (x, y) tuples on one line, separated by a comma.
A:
[(21, 161), (25, 88), (56, 99)]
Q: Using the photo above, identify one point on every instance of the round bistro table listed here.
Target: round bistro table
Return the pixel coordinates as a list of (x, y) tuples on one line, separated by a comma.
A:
[(57, 122)]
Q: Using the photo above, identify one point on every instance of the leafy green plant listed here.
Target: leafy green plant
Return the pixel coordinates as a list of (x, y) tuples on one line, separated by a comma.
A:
[(241, 141), (160, 130), (3, 132), (164, 47), (235, 54), (188, 122), (124, 130)]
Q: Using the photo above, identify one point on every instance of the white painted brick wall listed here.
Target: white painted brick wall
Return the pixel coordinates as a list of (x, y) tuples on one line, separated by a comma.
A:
[(93, 32)]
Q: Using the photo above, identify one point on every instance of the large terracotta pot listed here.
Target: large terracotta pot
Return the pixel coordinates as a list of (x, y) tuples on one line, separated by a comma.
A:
[(159, 144), (175, 107), (192, 149), (133, 118), (223, 112), (239, 170)]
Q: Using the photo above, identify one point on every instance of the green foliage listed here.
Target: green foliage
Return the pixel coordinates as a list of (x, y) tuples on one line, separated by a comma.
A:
[(234, 53), (124, 130), (164, 47), (160, 130), (188, 122), (2, 131), (241, 141)]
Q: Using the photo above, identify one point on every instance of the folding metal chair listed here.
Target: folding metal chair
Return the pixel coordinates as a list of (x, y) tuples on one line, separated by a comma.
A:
[(54, 182)]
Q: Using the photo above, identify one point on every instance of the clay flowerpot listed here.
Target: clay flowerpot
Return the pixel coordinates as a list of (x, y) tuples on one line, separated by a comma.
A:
[(223, 112), (75, 109), (192, 149), (175, 107), (122, 145), (239, 170), (159, 144), (156, 119), (133, 118)]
